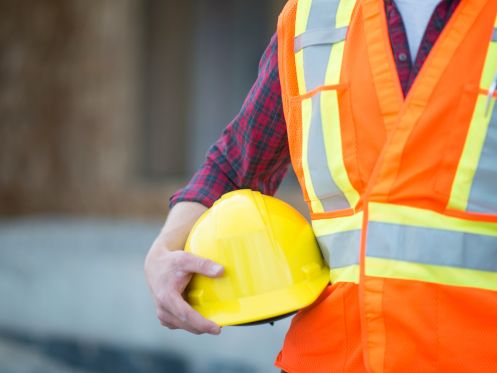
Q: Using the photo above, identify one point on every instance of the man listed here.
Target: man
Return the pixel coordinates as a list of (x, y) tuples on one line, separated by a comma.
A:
[(389, 124)]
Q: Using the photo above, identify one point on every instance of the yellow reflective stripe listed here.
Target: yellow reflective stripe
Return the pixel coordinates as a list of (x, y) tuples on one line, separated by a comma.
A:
[(316, 205), (405, 215), (463, 180), (345, 274), (335, 64), (299, 65), (303, 11), (331, 127), (324, 227), (490, 66), (344, 13), (331, 114), (430, 273)]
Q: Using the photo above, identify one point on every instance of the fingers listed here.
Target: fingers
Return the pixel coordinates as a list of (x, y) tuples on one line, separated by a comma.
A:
[(167, 319), (190, 319), (172, 310), (189, 263), (175, 313)]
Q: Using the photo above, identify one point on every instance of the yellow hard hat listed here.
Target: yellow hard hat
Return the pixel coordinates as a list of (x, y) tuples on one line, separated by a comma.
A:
[(273, 265)]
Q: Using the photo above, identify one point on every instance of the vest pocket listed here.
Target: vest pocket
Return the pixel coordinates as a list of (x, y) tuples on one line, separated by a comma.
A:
[(324, 163)]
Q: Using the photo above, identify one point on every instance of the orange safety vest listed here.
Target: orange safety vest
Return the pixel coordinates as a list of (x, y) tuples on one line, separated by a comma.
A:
[(402, 192)]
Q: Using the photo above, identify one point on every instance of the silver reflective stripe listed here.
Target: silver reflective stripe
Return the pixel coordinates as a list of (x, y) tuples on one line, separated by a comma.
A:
[(494, 35), (315, 65), (341, 249), (320, 37), (432, 246), (483, 195), (325, 188), (321, 17), (322, 14)]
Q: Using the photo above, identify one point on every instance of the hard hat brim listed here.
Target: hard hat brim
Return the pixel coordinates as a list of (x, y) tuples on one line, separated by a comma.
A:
[(265, 306)]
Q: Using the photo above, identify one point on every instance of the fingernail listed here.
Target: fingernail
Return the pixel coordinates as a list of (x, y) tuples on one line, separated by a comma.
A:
[(215, 269), (215, 330)]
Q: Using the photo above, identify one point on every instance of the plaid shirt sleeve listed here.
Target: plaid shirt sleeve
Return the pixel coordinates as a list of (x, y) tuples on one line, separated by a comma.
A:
[(253, 150)]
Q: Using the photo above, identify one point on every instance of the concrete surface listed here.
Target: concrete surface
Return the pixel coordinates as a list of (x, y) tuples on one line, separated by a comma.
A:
[(81, 281)]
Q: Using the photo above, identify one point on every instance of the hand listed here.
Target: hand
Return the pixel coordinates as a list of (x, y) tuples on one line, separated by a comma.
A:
[(168, 273)]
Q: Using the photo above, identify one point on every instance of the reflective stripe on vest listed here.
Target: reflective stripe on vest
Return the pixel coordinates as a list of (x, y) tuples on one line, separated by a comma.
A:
[(421, 268), (473, 188), (320, 37), (475, 176), (339, 240), (410, 243), (414, 244), (320, 31)]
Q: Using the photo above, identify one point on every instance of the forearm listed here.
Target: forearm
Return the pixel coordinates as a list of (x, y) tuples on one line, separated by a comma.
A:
[(176, 229), (179, 223)]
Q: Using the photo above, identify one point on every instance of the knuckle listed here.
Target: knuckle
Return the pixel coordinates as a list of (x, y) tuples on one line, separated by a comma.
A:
[(183, 316), (193, 330), (166, 320), (173, 259), (178, 273), (179, 260), (163, 318), (168, 325), (164, 300), (201, 264)]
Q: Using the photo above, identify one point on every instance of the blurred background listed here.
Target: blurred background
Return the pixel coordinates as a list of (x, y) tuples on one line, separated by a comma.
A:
[(106, 108)]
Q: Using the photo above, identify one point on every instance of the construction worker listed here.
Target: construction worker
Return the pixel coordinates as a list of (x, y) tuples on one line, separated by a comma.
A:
[(386, 110)]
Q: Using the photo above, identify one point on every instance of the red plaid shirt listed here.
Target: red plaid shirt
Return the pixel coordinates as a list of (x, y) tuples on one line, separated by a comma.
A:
[(253, 150)]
